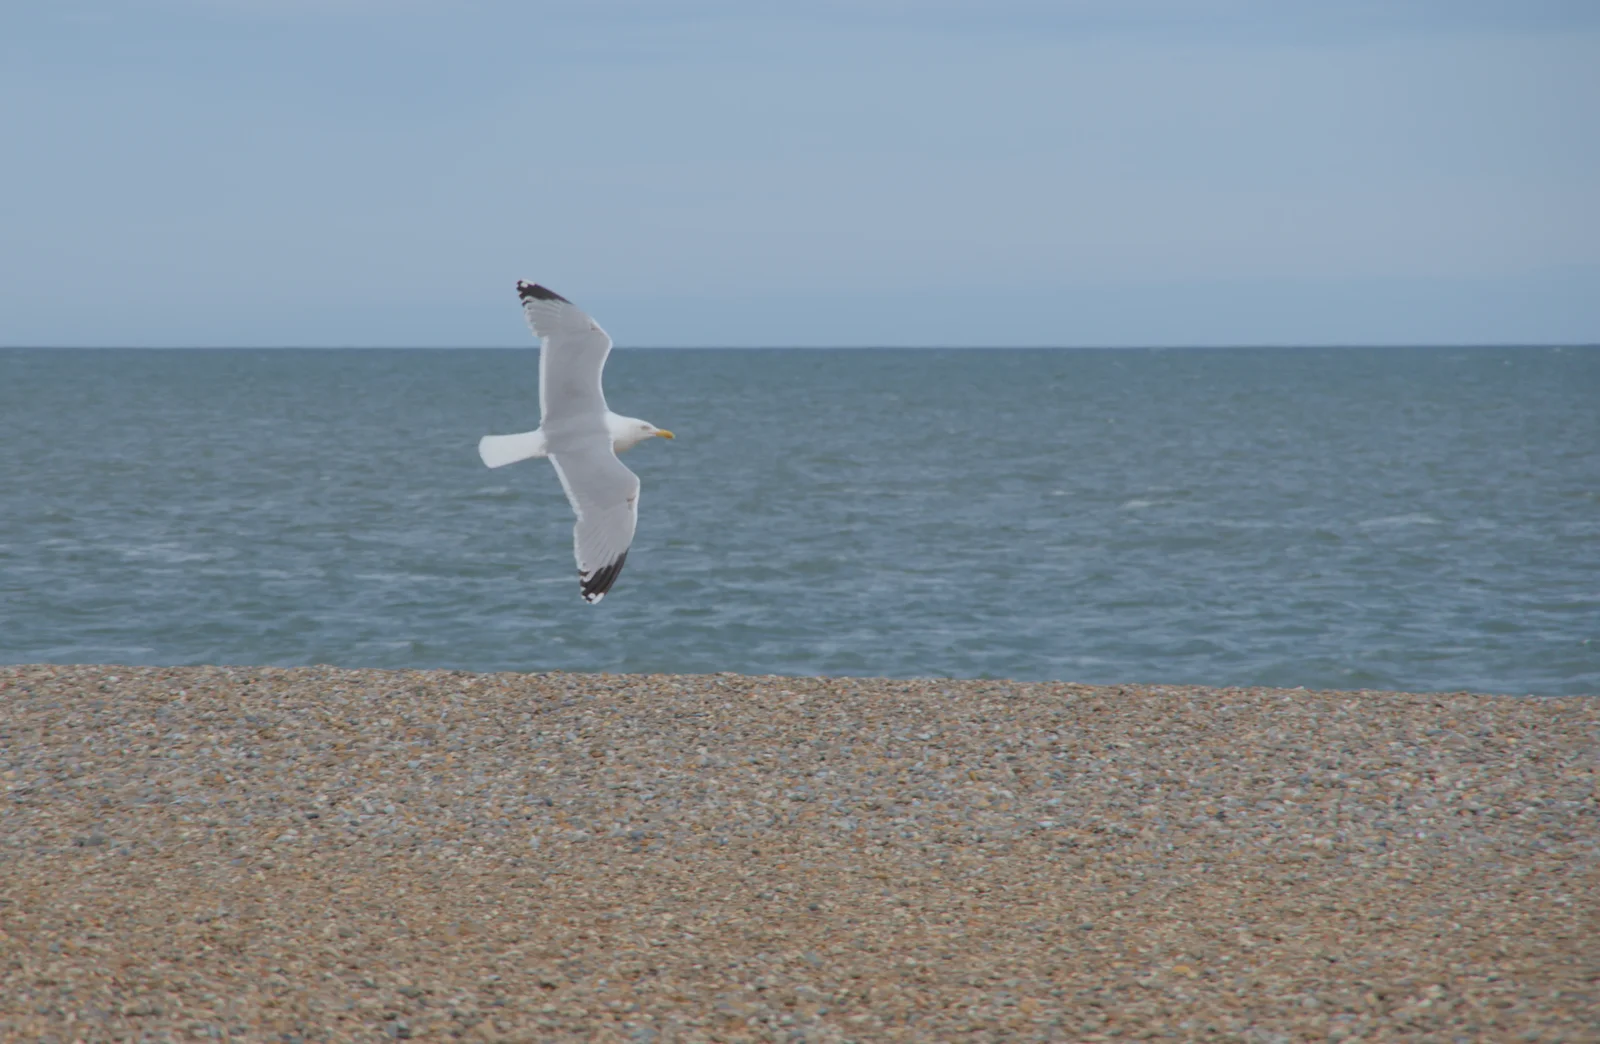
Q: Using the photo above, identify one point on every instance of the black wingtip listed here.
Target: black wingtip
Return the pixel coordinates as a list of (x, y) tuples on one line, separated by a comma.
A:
[(525, 290), (596, 584)]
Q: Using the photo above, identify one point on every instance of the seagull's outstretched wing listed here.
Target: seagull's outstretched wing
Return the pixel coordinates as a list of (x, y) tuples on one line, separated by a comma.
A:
[(572, 352), (605, 494)]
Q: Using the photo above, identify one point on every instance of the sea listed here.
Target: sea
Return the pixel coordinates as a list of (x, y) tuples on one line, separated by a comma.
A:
[(1423, 519)]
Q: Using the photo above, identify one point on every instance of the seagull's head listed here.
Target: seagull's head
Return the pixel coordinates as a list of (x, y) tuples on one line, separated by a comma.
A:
[(627, 432)]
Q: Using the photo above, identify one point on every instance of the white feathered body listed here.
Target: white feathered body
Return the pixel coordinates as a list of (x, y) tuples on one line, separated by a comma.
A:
[(499, 450)]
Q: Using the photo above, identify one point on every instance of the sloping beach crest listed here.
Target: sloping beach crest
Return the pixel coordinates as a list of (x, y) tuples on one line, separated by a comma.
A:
[(328, 854)]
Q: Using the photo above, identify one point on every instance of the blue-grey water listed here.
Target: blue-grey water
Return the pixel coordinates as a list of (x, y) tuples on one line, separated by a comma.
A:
[(1424, 519)]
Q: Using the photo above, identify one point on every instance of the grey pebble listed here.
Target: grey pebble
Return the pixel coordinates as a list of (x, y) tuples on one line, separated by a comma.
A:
[(317, 853)]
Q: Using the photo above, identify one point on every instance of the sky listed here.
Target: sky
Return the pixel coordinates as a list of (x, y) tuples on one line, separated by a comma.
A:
[(873, 172)]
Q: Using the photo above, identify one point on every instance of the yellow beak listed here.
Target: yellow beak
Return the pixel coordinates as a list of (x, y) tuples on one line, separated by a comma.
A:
[(665, 434)]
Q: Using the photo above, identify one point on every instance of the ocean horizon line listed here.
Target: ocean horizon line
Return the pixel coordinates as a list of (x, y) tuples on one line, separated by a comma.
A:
[(1254, 346)]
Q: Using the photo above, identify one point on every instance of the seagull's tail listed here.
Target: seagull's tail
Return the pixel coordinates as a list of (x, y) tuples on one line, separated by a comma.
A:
[(500, 450)]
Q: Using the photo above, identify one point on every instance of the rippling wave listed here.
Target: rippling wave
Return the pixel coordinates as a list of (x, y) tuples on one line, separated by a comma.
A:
[(1408, 518)]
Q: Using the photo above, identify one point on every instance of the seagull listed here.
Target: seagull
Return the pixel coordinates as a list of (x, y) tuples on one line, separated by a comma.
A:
[(580, 435)]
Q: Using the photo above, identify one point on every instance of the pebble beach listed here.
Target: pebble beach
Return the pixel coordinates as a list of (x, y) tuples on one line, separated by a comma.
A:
[(309, 854)]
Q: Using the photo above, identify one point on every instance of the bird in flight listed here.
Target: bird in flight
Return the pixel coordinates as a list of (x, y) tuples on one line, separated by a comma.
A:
[(580, 435)]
